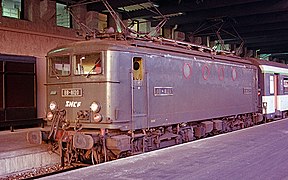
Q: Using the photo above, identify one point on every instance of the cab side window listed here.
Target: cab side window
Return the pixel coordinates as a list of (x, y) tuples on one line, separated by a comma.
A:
[(137, 68)]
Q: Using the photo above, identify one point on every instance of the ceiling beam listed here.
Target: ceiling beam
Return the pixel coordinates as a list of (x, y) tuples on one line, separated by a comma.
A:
[(244, 30), (274, 49), (280, 56), (259, 39), (267, 44), (262, 18), (264, 33), (233, 11), (245, 21), (188, 7), (99, 6), (66, 2), (258, 34), (271, 51)]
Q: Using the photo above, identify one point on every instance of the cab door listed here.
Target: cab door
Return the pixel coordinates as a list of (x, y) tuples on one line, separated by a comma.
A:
[(139, 94)]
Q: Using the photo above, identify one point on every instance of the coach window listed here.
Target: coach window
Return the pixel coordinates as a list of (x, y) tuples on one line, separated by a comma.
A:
[(285, 84), (88, 64), (271, 84), (137, 68), (59, 66)]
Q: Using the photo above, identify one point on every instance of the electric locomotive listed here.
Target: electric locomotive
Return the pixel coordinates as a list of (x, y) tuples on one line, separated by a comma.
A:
[(109, 98)]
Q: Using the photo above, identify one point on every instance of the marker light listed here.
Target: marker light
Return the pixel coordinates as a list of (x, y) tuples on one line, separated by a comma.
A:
[(49, 116), (97, 117), (95, 107), (52, 105)]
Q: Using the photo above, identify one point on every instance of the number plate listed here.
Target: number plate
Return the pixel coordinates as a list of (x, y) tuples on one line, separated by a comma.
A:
[(73, 92), (163, 91)]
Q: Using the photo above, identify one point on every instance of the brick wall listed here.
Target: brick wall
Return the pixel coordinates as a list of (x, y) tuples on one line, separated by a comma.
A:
[(22, 37)]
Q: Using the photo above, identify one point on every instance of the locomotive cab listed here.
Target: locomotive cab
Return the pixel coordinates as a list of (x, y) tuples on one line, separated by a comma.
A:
[(76, 67), (82, 88)]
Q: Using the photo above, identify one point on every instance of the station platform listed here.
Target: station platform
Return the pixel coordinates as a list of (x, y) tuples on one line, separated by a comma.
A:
[(16, 154), (259, 152)]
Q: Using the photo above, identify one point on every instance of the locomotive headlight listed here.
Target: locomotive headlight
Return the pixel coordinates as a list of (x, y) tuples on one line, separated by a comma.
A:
[(49, 116), (52, 105), (95, 107), (97, 117)]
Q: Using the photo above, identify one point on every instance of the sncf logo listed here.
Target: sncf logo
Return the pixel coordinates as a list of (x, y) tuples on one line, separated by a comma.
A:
[(72, 104)]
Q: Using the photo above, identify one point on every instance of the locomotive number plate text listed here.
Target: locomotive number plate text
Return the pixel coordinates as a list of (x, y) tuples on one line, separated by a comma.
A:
[(73, 92), (163, 91), (247, 90)]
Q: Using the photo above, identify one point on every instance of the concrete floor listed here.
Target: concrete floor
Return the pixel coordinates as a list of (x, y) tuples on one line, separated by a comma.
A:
[(11, 141), (16, 154), (259, 152)]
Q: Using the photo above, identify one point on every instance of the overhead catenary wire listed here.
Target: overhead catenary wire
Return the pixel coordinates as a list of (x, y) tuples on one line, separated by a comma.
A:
[(116, 18)]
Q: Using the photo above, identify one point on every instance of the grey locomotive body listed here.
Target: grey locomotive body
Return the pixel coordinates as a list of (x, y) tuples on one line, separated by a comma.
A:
[(109, 98), (165, 88)]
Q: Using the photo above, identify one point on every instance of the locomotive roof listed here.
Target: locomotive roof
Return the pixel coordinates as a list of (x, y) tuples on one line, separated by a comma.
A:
[(153, 46), (270, 66), (268, 63)]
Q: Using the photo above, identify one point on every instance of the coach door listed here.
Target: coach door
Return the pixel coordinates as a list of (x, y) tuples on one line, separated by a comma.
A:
[(139, 93)]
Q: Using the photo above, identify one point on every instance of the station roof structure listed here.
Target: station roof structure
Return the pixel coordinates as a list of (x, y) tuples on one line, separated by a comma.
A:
[(261, 24)]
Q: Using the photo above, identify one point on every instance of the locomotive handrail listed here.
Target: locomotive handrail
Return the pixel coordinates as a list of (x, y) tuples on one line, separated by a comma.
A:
[(163, 41), (185, 44), (81, 82), (180, 44)]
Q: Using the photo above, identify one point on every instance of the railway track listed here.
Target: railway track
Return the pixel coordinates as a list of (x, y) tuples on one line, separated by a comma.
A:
[(36, 173)]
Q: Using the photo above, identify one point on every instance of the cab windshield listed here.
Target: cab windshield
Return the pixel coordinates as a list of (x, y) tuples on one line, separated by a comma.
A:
[(59, 66), (88, 64)]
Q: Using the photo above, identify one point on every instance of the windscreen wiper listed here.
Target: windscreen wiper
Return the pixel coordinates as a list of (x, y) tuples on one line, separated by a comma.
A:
[(92, 69), (55, 72)]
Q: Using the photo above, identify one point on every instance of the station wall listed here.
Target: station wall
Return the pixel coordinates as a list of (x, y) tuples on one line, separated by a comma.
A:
[(25, 38)]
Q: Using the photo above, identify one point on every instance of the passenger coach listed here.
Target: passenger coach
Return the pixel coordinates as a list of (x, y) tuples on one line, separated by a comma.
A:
[(273, 88)]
